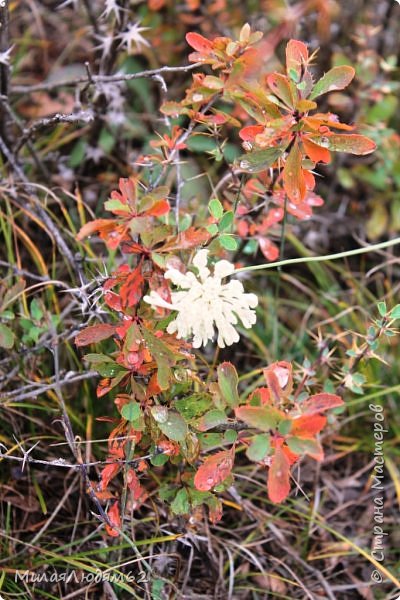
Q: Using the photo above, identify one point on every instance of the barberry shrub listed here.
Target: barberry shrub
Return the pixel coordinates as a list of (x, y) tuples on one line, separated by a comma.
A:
[(169, 294)]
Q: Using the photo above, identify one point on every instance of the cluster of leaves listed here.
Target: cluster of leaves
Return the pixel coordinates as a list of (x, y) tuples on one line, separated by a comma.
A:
[(290, 138), (289, 423), (166, 411)]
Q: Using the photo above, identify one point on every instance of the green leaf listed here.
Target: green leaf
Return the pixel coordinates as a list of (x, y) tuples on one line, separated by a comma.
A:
[(131, 411), (260, 160), (382, 308), (336, 79), (174, 427), (226, 221), (260, 417), (228, 383), (395, 312), (35, 310), (216, 209), (230, 436), (108, 369), (193, 405), (210, 440), (303, 446), (341, 142), (95, 358), (163, 356), (180, 504), (228, 242), (212, 229), (259, 447), (159, 460), (281, 87), (211, 419), (285, 426), (7, 337), (114, 204)]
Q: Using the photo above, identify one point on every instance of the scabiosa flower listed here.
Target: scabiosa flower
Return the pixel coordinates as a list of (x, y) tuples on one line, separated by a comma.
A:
[(204, 303)]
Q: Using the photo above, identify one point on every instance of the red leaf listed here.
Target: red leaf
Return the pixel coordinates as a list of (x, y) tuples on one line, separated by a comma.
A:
[(278, 477), (213, 471), (259, 397), (293, 176), (248, 134), (199, 43), (94, 334), (279, 379), (139, 494), (296, 57), (108, 473), (320, 402), (268, 248), (307, 425), (115, 519), (131, 290)]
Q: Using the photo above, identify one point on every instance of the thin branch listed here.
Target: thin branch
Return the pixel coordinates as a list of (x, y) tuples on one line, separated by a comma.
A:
[(82, 115), (17, 121), (96, 79), (34, 393), (4, 66), (63, 464)]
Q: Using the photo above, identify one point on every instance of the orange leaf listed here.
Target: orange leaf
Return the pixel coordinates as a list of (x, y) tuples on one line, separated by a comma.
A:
[(316, 153), (293, 176), (320, 402), (296, 57), (199, 43), (278, 477), (158, 209), (189, 238), (108, 473), (115, 519), (94, 226), (248, 134), (307, 425), (213, 471), (94, 334)]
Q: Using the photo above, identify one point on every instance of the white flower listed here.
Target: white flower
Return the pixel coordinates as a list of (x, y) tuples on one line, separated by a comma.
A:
[(5, 56), (205, 303), (75, 4), (111, 6), (105, 44), (132, 35)]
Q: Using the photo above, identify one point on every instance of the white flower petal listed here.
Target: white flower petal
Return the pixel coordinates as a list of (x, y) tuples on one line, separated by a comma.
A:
[(204, 304)]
